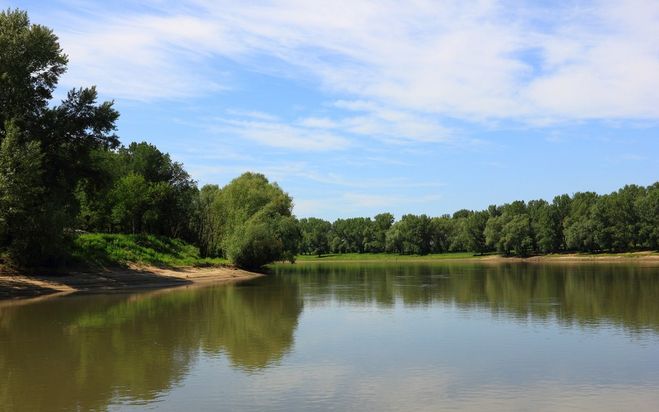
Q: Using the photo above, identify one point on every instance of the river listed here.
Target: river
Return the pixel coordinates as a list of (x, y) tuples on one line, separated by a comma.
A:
[(371, 337)]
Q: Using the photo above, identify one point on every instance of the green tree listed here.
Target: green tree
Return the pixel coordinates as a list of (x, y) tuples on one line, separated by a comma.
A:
[(354, 235), (616, 221), (394, 239), (22, 207), (548, 230), (315, 236), (143, 182), (172, 191), (493, 229), (442, 233), (31, 62), (648, 212), (460, 241), (474, 228), (545, 225), (381, 224), (253, 222), (414, 231), (561, 205), (511, 232), (131, 199), (205, 223), (516, 236), (93, 192), (579, 226)]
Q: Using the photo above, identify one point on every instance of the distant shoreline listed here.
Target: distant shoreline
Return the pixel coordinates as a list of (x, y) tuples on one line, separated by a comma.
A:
[(13, 286), (632, 257)]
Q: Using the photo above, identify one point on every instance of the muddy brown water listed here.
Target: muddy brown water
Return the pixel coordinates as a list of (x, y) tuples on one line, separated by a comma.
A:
[(361, 336)]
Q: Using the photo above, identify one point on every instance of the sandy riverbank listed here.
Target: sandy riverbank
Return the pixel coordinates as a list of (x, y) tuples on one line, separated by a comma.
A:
[(132, 278)]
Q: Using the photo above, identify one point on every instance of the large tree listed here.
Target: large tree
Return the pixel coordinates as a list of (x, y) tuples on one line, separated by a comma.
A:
[(23, 213), (251, 221), (31, 62), (65, 135), (475, 228), (138, 189), (648, 211), (381, 224), (315, 236)]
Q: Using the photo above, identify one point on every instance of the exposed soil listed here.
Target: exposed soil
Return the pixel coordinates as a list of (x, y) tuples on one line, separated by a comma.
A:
[(13, 285)]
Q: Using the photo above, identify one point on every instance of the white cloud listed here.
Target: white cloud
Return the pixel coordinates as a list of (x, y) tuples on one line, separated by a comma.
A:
[(379, 122), (146, 57), (318, 123), (280, 135), (253, 115), (470, 60)]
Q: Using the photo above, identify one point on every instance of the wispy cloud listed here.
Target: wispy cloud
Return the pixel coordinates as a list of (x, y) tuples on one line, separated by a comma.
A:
[(391, 124), (146, 57), (252, 114), (326, 133), (278, 134), (470, 60)]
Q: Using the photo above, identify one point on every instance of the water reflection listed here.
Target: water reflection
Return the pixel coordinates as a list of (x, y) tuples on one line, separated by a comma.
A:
[(587, 295), (80, 352), (409, 336)]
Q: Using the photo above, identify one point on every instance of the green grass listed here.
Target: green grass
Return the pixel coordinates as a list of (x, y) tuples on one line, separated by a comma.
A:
[(97, 249), (392, 257), (634, 254), (383, 257)]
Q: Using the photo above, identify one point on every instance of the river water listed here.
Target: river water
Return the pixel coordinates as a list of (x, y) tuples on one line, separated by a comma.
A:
[(367, 337)]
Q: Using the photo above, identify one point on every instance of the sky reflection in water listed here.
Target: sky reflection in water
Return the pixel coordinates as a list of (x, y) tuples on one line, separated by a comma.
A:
[(369, 337)]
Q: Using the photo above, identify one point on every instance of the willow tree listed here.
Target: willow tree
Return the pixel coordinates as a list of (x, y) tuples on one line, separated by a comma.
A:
[(249, 221)]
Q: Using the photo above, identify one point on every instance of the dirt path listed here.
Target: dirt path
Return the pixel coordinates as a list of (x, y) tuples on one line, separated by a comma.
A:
[(22, 286)]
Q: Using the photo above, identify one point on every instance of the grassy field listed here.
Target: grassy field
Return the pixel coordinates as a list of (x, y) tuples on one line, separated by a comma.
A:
[(102, 250), (96, 249), (383, 257)]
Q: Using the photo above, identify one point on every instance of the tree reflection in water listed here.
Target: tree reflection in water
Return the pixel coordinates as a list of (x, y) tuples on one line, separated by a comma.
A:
[(625, 295), (81, 352), (89, 352)]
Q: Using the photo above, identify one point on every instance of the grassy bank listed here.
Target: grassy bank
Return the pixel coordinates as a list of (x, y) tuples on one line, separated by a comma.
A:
[(646, 256), (102, 250), (341, 257), (105, 262)]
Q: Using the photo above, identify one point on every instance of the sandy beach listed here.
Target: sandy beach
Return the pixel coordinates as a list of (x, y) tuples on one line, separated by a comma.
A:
[(13, 285)]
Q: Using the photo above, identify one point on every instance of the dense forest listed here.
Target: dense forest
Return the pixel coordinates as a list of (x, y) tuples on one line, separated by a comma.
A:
[(63, 171)]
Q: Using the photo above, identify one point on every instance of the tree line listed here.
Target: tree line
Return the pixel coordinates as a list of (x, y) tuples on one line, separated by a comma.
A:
[(621, 221), (63, 170)]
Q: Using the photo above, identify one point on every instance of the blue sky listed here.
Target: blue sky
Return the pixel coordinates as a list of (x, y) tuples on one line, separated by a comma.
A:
[(358, 107)]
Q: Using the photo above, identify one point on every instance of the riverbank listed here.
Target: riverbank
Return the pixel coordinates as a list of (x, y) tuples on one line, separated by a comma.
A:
[(633, 257), (132, 277)]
